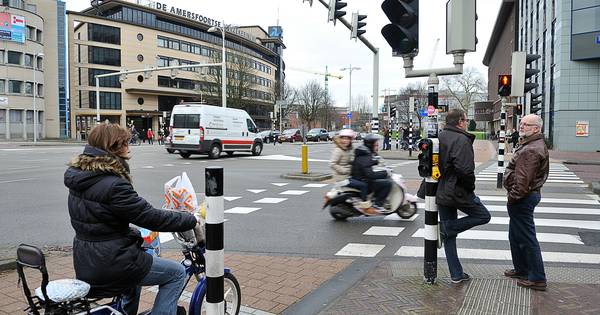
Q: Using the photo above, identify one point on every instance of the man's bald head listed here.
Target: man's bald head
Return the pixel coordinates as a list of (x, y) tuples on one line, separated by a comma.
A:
[(530, 125)]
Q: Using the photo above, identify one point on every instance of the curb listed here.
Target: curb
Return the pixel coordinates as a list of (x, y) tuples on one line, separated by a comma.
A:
[(7, 264), (595, 186), (313, 177), (582, 162)]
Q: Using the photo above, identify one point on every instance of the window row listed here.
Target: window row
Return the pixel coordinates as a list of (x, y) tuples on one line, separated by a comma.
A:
[(20, 59), (210, 87), (20, 87), (108, 100), (104, 56), (16, 116), (34, 34), (20, 4), (176, 44), (112, 81), (104, 34)]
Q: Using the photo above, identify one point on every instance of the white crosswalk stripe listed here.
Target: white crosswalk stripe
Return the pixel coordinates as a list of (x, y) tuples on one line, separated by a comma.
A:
[(558, 174)]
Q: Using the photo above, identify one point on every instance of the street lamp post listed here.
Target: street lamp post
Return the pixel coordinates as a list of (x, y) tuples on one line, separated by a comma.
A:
[(350, 69), (33, 62), (223, 65)]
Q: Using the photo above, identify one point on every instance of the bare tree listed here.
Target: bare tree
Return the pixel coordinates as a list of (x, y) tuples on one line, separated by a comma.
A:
[(311, 99), (362, 112), (289, 95), (466, 88), (239, 79)]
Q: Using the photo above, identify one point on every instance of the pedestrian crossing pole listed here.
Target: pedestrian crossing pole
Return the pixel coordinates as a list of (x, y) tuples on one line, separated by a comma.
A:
[(501, 142), (397, 129), (431, 183), (215, 257), (411, 109)]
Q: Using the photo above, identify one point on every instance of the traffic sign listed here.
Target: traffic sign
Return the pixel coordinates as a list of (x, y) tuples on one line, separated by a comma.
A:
[(423, 113), (349, 115)]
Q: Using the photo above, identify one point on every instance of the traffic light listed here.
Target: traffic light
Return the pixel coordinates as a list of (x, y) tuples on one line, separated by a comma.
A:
[(519, 109), (425, 157), (504, 84), (403, 33), (334, 10), (535, 103), (530, 72), (357, 24)]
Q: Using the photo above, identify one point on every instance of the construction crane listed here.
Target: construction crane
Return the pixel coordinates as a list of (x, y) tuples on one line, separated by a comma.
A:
[(326, 74)]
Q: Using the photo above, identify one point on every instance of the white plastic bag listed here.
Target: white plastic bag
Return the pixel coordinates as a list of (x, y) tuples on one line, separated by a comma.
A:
[(181, 196)]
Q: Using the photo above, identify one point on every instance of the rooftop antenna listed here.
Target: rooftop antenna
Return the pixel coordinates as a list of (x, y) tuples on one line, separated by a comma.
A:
[(278, 14)]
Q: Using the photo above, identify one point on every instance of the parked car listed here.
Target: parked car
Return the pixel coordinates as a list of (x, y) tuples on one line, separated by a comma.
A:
[(269, 135), (290, 135), (317, 134), (332, 134)]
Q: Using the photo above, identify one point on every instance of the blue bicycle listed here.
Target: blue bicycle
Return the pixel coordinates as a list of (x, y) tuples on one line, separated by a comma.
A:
[(70, 296)]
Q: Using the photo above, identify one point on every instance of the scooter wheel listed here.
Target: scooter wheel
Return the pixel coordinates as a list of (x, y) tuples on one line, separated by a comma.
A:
[(407, 211), (339, 217)]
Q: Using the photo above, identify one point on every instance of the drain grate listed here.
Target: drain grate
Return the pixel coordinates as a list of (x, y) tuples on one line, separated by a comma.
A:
[(497, 297)]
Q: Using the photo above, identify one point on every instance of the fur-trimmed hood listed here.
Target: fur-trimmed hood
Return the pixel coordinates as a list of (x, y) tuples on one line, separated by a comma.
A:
[(88, 168)]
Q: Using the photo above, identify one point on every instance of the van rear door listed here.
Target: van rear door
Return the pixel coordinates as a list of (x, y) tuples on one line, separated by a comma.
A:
[(186, 129)]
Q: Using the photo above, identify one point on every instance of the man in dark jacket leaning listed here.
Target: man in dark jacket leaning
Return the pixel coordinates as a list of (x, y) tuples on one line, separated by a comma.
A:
[(362, 170), (524, 177), (456, 188)]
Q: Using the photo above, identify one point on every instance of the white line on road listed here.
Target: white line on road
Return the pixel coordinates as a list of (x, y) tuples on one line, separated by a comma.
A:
[(256, 191), (383, 231), (270, 200), (241, 210), (279, 184), (280, 157), (576, 224), (503, 236), (231, 198), (491, 179), (396, 217), (294, 192), (314, 185), (148, 167), (553, 210), (361, 250), (547, 200), (495, 254), (15, 180)]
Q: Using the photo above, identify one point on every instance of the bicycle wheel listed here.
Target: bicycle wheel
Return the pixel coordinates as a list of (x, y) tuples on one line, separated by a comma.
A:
[(232, 298)]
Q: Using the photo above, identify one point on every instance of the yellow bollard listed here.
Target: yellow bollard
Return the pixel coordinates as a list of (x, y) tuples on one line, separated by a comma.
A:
[(304, 159)]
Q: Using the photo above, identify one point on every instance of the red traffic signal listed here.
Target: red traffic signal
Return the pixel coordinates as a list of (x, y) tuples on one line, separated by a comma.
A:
[(504, 84)]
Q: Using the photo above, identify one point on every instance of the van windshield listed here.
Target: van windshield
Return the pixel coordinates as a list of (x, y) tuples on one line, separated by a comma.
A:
[(186, 121)]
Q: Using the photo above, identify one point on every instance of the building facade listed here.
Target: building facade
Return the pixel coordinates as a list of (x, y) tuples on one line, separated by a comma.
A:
[(32, 69), (118, 35)]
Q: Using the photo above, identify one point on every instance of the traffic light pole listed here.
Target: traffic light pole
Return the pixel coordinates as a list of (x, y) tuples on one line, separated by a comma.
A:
[(411, 109), (501, 142)]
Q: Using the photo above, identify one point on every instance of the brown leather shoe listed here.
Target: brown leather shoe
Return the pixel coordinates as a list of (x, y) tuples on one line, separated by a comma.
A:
[(534, 285), (511, 273)]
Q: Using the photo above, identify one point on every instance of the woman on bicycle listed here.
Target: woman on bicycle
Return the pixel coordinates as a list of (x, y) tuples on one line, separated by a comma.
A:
[(107, 252)]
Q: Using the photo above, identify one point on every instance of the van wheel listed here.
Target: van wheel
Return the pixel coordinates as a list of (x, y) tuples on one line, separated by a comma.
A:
[(257, 149), (215, 151), (185, 155), (171, 151)]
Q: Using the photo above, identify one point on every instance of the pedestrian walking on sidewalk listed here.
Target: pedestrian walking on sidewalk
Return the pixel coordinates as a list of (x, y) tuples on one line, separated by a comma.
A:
[(102, 204), (456, 189), (523, 179), (150, 136)]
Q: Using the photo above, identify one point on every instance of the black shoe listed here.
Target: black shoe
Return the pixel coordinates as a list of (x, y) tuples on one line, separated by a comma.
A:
[(181, 310), (512, 273), (464, 277)]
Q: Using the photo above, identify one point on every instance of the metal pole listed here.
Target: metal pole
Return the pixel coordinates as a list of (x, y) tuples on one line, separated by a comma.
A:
[(224, 71), (501, 145), (350, 96), (431, 212), (34, 109), (215, 216), (374, 115), (411, 109), (97, 100)]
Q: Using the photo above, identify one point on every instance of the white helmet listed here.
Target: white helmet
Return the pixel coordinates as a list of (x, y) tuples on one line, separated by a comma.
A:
[(347, 133)]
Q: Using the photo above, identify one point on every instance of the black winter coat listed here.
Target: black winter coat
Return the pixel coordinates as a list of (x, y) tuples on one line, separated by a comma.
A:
[(457, 164), (102, 203), (362, 166)]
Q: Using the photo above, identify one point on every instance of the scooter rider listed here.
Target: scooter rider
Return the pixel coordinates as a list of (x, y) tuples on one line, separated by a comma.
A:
[(365, 157)]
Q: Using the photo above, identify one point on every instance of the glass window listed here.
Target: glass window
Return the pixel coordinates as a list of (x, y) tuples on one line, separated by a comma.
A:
[(104, 56), (28, 60), (1, 56), (16, 3), (108, 100), (38, 36), (104, 34), (586, 20), (187, 121), (104, 82), (14, 86), (40, 90), (14, 57), (40, 63), (29, 116), (31, 8), (2, 115), (30, 33), (16, 116), (2, 86), (28, 88)]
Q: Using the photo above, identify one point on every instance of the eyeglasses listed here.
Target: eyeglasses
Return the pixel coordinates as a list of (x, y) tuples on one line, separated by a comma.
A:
[(528, 125)]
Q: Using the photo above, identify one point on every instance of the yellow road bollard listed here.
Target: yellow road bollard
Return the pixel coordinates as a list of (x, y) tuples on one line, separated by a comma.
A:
[(304, 159)]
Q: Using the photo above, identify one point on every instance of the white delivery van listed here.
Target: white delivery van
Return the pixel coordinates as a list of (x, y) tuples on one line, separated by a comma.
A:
[(208, 129)]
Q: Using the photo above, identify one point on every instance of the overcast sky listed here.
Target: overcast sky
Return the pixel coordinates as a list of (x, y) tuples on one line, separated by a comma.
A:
[(312, 43)]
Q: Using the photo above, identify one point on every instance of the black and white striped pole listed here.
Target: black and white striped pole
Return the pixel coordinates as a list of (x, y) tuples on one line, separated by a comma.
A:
[(501, 143), (215, 257), (411, 109)]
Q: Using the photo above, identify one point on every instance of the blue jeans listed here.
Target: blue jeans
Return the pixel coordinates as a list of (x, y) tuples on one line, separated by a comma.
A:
[(477, 214), (524, 246), (170, 276), (381, 189), (360, 185)]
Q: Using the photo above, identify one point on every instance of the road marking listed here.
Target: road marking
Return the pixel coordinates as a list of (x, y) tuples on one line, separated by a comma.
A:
[(546, 200), (360, 250), (383, 231), (315, 185), (495, 254), (280, 157), (231, 198), (595, 197), (565, 176), (503, 236), (294, 192), (280, 184), (241, 210), (396, 217), (270, 200), (553, 210), (168, 165), (148, 166), (576, 224), (256, 191), (165, 237), (15, 180), (403, 163), (490, 179), (187, 163)]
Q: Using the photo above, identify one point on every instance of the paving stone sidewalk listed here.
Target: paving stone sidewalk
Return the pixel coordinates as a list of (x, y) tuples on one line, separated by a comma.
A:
[(269, 284)]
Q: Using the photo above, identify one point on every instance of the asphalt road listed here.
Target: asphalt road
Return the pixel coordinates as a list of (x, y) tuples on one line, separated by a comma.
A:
[(268, 214)]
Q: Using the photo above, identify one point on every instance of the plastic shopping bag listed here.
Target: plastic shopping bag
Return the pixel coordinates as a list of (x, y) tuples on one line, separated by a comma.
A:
[(181, 196)]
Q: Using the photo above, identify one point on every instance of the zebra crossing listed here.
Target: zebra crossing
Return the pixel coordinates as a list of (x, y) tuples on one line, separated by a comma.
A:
[(559, 222), (558, 174)]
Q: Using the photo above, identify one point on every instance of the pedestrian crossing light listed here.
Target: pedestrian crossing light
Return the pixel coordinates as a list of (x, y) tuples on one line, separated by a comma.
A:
[(334, 10), (519, 109), (402, 34), (425, 157), (504, 83), (357, 25), (535, 103)]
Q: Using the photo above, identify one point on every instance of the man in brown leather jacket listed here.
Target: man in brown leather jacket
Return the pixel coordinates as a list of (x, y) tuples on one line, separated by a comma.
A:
[(524, 177)]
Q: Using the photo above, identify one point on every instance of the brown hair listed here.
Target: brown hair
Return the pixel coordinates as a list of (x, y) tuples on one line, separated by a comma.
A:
[(109, 137), (454, 116)]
